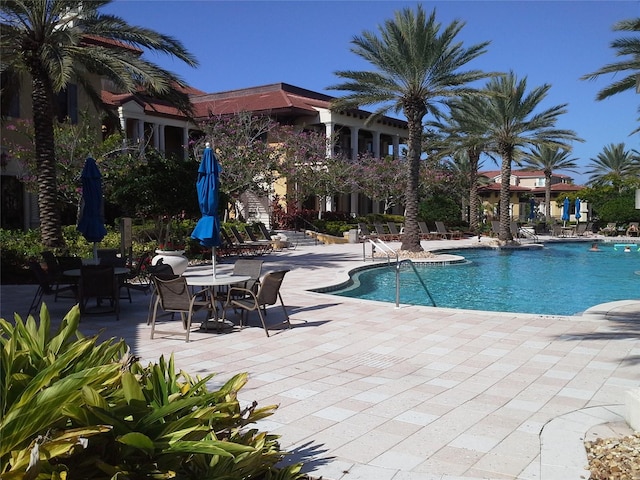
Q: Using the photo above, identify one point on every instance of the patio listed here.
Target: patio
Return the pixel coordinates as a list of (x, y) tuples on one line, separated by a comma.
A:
[(368, 391)]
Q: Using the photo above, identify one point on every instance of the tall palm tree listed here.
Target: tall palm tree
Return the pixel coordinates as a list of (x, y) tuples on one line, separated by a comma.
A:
[(505, 117), (416, 66), (548, 159), (57, 42), (613, 165)]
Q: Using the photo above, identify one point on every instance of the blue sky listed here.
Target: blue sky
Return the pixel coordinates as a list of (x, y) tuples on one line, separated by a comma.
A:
[(249, 43)]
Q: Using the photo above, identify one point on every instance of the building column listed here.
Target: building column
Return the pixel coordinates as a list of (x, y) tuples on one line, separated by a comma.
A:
[(353, 207), (328, 127), (396, 146), (140, 134), (185, 142), (156, 136), (161, 141), (376, 144)]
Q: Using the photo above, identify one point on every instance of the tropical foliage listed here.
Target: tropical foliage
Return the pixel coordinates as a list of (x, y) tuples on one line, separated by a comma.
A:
[(58, 42), (71, 407), (613, 165), (416, 65), (627, 70)]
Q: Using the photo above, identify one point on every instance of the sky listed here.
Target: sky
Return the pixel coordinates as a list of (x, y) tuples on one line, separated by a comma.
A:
[(240, 44)]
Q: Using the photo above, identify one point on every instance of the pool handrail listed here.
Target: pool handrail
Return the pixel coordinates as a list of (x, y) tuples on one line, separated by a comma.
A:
[(424, 286)]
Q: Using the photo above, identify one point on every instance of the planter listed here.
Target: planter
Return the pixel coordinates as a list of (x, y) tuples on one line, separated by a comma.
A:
[(175, 258)]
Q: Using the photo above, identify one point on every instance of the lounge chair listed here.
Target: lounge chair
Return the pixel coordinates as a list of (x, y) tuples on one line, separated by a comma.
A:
[(581, 229), (383, 235), (263, 230), (364, 231), (450, 234), (610, 230), (495, 228), (425, 233), (633, 230), (556, 230), (245, 248), (252, 236), (393, 230)]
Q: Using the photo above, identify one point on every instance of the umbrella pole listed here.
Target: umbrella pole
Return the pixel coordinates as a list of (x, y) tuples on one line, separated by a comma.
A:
[(213, 260), (95, 251)]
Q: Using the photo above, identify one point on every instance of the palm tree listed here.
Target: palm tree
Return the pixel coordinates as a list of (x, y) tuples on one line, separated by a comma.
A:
[(464, 143), (613, 165), (628, 68), (548, 159), (505, 117), (57, 42), (417, 65)]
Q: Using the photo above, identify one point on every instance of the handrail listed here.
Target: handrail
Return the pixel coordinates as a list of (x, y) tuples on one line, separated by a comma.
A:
[(376, 242), (307, 222), (527, 234), (389, 252), (424, 286)]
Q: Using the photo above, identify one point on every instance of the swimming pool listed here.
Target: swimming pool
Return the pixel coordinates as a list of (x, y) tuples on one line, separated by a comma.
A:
[(560, 279)]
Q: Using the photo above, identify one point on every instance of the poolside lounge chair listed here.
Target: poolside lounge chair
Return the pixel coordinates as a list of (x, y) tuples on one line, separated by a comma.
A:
[(393, 230), (425, 233), (581, 229), (364, 231), (252, 236), (610, 230), (633, 230), (495, 228), (450, 234), (263, 230), (556, 230), (383, 235)]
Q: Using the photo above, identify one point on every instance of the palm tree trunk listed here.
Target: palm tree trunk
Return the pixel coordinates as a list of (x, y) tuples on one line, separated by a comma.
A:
[(474, 158), (49, 211), (547, 197), (505, 194), (411, 236)]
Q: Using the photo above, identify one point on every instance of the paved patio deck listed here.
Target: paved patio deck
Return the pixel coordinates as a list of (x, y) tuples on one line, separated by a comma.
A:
[(368, 391)]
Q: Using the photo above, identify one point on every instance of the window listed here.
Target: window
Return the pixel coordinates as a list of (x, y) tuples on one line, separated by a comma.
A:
[(67, 104)]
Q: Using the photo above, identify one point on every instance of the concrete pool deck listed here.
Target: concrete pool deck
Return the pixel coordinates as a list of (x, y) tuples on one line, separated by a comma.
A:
[(368, 391)]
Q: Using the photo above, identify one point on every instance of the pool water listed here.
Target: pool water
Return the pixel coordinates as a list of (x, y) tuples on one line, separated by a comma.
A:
[(560, 279)]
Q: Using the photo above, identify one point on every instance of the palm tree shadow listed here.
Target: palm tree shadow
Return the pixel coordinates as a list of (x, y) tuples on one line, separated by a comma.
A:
[(309, 454)]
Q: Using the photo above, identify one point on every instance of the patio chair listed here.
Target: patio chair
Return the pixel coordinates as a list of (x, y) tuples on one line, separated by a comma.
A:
[(257, 248), (174, 296), (515, 229), (633, 230), (56, 265), (556, 230), (138, 277), (610, 230), (45, 285), (99, 282), (164, 272), (444, 233), (246, 266), (248, 301)]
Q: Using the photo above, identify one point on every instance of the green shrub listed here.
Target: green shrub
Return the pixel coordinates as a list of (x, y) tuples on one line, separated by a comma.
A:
[(75, 408)]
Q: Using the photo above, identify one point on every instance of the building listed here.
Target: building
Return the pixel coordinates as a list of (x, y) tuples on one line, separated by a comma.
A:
[(526, 185)]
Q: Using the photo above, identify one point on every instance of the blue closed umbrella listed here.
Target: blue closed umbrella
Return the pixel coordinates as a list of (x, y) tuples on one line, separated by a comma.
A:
[(208, 185), (532, 208), (565, 210), (578, 209), (91, 219)]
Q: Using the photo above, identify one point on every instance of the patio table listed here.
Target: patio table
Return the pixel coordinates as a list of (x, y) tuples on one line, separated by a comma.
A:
[(208, 280)]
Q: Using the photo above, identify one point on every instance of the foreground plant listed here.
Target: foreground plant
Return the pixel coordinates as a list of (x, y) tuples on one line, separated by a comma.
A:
[(74, 408)]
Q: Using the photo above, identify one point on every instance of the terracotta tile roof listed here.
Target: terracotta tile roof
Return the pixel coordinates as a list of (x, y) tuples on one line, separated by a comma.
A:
[(495, 187), (150, 107), (107, 42), (560, 187)]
